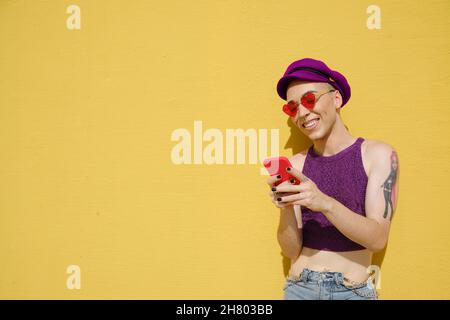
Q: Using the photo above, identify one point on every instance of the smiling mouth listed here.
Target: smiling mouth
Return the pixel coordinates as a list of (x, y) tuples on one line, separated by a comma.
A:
[(314, 121)]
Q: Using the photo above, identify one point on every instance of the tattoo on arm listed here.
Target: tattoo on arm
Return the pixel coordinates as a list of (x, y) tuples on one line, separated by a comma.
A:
[(389, 187)]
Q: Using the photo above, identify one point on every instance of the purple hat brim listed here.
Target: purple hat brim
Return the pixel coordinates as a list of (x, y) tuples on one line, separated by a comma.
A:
[(283, 83)]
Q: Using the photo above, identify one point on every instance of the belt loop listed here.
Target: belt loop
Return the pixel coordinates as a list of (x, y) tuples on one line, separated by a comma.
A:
[(304, 276), (338, 278)]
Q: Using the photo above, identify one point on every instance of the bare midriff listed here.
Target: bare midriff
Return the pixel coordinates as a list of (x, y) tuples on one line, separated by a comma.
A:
[(352, 264)]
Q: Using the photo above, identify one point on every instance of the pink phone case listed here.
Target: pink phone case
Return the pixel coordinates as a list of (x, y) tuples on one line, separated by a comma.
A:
[(278, 165)]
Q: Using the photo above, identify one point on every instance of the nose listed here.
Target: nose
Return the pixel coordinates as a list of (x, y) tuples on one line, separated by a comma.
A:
[(302, 112)]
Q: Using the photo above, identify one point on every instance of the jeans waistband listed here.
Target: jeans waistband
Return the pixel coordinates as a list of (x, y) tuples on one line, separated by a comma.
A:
[(315, 276), (325, 276)]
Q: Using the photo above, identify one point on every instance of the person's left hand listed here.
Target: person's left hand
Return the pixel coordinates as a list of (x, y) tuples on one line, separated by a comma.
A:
[(308, 194)]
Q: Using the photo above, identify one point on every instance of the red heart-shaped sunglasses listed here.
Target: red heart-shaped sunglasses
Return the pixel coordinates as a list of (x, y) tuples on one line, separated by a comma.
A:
[(308, 100)]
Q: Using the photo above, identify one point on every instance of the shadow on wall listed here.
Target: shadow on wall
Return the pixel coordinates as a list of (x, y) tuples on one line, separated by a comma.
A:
[(298, 142)]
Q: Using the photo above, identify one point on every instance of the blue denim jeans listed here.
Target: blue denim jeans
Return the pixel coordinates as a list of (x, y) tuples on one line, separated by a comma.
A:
[(314, 285)]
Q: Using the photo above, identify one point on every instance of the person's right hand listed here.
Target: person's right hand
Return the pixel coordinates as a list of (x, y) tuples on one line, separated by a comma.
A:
[(274, 195)]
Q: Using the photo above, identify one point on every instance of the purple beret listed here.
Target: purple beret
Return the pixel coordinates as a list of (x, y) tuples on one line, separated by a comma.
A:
[(308, 69)]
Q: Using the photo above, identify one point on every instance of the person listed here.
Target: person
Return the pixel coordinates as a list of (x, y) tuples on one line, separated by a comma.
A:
[(340, 214)]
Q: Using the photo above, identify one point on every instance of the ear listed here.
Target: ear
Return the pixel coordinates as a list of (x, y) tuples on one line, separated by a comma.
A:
[(338, 99)]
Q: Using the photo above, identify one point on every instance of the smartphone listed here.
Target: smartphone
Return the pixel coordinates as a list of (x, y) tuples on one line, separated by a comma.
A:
[(278, 165)]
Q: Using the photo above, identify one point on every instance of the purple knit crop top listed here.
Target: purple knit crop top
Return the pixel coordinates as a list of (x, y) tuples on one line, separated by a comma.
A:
[(342, 177)]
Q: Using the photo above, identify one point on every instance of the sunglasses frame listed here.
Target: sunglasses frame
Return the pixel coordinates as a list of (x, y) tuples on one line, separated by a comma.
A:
[(287, 109)]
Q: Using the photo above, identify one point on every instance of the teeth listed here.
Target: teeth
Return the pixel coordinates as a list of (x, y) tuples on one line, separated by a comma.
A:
[(310, 123)]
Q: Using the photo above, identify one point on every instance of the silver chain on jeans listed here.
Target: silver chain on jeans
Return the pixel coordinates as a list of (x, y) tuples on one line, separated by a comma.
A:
[(361, 285)]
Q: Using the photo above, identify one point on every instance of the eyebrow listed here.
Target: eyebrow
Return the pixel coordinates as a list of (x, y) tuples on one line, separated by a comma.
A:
[(303, 94)]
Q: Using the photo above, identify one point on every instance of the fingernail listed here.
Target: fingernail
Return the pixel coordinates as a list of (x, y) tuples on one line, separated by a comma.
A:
[(273, 188), (279, 176), (288, 169), (278, 199)]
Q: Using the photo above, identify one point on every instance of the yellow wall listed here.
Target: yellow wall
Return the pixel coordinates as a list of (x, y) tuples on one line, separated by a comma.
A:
[(87, 116)]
